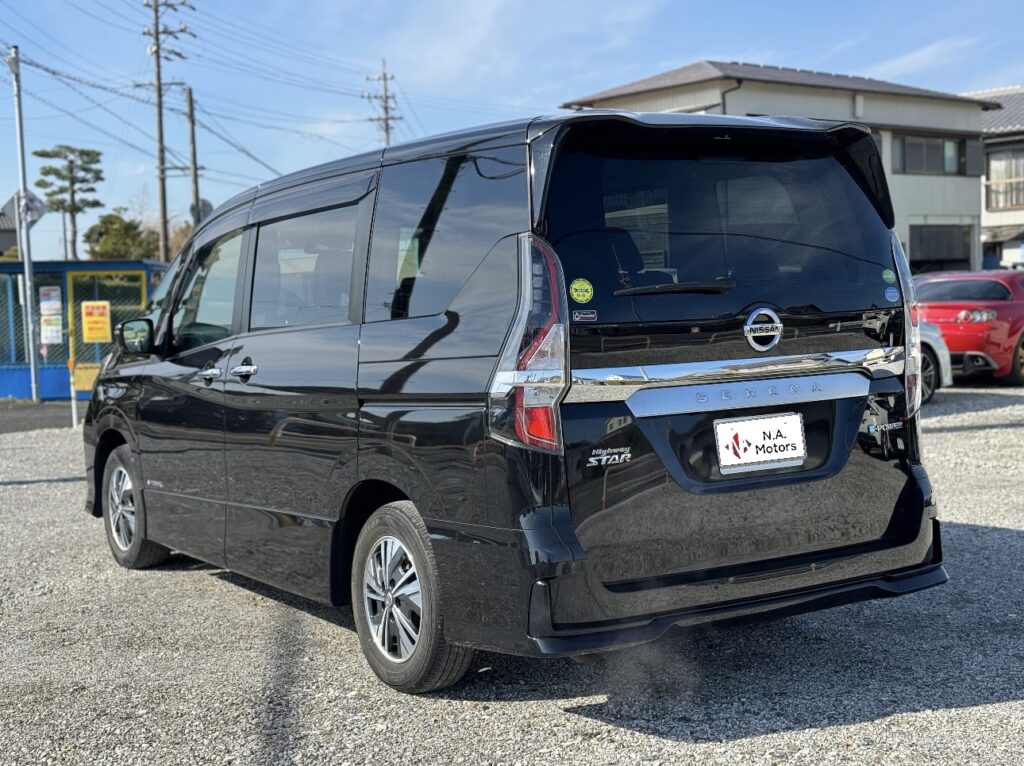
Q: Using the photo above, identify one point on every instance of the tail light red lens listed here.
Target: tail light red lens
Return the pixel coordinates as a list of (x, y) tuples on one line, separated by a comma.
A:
[(532, 373)]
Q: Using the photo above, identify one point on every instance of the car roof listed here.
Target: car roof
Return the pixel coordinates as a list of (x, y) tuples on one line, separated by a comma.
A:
[(520, 131)]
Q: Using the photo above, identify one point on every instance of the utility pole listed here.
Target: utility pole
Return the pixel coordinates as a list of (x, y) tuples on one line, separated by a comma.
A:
[(64, 235), (385, 102), (24, 244), (193, 165), (161, 53)]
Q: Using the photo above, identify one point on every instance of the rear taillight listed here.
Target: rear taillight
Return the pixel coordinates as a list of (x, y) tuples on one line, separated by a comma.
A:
[(912, 331), (532, 373), (977, 316)]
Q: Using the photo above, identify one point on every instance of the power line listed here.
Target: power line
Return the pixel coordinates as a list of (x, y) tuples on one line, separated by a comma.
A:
[(86, 122), (48, 36), (290, 48), (99, 18), (232, 142), (178, 157), (412, 110)]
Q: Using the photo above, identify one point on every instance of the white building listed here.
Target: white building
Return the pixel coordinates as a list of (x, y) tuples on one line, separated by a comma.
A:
[(1002, 201), (930, 141)]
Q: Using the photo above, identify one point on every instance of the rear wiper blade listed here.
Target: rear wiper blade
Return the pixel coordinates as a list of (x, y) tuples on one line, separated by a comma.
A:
[(716, 287)]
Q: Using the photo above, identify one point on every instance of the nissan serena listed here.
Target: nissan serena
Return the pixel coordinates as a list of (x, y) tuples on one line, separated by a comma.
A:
[(548, 387)]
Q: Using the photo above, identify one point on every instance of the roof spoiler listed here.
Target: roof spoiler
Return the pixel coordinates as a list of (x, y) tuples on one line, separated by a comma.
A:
[(855, 147)]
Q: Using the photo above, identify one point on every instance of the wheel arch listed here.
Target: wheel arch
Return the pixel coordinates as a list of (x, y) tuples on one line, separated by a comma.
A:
[(111, 434), (360, 503)]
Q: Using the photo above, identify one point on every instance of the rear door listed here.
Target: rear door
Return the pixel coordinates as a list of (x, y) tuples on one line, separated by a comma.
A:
[(181, 405), (730, 294), (291, 384)]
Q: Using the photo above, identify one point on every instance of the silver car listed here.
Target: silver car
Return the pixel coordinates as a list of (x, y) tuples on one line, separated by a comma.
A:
[(936, 368)]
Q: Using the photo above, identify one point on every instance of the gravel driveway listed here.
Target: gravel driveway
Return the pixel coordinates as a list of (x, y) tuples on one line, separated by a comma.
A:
[(191, 664)]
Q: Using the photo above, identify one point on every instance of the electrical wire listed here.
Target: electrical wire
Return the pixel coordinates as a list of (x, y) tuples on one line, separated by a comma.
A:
[(99, 18)]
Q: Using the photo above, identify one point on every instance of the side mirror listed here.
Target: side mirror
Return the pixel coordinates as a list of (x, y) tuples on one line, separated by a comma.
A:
[(135, 336)]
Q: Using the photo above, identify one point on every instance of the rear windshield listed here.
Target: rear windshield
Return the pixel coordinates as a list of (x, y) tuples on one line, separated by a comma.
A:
[(934, 291), (697, 227)]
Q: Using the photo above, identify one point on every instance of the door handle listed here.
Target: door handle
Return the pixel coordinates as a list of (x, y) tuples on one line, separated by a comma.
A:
[(244, 370), (210, 373)]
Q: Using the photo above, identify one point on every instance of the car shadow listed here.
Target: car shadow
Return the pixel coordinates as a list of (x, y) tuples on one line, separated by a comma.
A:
[(340, 616), (959, 645)]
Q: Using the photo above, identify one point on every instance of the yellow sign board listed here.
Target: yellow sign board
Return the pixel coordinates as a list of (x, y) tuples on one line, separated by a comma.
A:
[(85, 375), (96, 322)]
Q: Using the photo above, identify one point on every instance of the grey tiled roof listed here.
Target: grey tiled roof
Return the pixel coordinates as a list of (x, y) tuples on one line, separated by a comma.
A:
[(705, 71), (1009, 119)]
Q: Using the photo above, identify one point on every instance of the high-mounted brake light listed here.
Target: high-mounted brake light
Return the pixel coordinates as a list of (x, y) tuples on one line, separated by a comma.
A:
[(532, 373), (912, 329)]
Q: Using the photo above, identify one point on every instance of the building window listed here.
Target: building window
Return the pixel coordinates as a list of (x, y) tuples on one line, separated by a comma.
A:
[(940, 247), (928, 155), (1004, 184)]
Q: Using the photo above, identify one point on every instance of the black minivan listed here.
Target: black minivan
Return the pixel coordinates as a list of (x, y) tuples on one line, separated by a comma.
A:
[(548, 387)]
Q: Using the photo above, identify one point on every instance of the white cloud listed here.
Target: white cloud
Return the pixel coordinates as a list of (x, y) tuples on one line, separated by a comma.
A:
[(940, 53), (498, 50)]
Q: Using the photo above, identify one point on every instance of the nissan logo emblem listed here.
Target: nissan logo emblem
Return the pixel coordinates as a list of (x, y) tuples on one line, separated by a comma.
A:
[(763, 329)]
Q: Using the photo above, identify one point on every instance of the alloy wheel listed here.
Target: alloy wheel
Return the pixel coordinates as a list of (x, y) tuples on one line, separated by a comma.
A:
[(392, 599), (122, 512), (928, 377)]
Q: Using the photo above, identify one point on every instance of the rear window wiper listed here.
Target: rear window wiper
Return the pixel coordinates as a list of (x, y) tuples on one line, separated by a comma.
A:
[(715, 287)]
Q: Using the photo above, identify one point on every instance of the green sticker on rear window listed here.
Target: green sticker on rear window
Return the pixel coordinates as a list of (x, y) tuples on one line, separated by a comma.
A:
[(889, 276), (581, 290)]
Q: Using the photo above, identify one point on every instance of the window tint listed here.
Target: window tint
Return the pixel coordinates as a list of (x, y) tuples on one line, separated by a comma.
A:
[(160, 293), (634, 213), (962, 290), (436, 219), (206, 304), (303, 269)]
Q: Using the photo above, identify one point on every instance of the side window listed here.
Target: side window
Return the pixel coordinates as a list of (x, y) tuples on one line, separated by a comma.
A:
[(303, 269), (158, 297), (436, 219), (206, 304)]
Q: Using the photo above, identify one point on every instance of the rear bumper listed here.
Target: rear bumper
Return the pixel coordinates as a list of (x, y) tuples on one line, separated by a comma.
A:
[(978, 348), (550, 641), (818, 592)]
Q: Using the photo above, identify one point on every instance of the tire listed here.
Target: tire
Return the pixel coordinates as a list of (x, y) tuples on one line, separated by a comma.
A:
[(125, 521), (410, 654), (1015, 377), (931, 375)]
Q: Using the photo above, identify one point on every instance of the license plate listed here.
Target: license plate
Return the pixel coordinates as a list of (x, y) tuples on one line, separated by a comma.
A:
[(759, 444)]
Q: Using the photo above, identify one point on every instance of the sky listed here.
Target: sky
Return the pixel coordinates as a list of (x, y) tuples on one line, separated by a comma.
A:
[(284, 80)]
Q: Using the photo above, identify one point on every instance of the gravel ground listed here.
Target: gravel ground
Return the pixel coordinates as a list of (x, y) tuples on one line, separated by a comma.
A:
[(191, 664)]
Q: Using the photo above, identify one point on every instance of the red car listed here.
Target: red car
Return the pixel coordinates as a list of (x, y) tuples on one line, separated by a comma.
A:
[(981, 315)]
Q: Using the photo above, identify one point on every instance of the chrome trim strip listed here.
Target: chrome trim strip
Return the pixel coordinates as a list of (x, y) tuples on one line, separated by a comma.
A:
[(616, 384), (678, 400)]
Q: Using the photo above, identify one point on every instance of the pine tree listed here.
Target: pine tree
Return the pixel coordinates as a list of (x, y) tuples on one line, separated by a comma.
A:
[(68, 184)]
